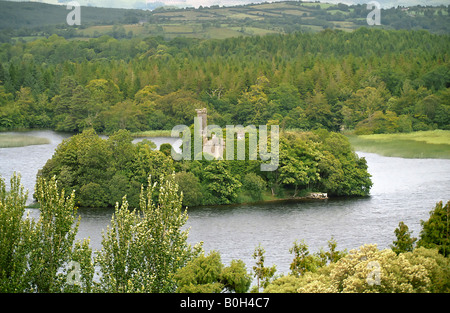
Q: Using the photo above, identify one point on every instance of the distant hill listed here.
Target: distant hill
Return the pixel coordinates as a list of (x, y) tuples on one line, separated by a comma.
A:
[(34, 14), (31, 20), (152, 4)]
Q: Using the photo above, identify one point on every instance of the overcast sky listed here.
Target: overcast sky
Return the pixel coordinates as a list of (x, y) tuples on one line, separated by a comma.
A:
[(196, 3)]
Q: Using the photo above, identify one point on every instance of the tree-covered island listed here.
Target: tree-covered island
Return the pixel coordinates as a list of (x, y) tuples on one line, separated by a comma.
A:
[(102, 171)]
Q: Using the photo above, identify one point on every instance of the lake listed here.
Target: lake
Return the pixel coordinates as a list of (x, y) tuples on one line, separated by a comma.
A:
[(403, 190)]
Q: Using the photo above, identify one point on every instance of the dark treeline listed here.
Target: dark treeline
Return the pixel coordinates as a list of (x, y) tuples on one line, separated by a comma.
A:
[(373, 80)]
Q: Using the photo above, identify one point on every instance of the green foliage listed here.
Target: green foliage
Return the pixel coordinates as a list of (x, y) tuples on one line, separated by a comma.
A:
[(104, 170), (14, 236), (318, 160), (435, 232), (263, 274), (142, 250), (221, 185), (253, 185), (146, 250), (404, 242), (303, 261), (201, 274), (379, 123), (323, 161), (189, 185), (235, 277), (119, 257), (81, 254), (55, 232), (207, 274), (35, 252), (326, 81), (332, 255), (368, 269)]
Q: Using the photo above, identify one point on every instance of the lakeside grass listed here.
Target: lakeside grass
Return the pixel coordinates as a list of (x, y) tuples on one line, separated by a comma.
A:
[(433, 144), (13, 140)]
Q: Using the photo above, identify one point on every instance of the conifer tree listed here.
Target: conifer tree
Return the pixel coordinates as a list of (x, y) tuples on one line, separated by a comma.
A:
[(404, 242), (436, 230)]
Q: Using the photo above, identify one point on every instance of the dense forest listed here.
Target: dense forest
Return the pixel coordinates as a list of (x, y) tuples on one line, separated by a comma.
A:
[(369, 80)]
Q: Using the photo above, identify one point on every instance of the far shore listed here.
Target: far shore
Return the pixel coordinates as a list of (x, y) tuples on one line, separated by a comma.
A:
[(430, 144)]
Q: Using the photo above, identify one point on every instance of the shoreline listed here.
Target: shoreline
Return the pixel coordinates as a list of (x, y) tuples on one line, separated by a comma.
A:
[(285, 200), (309, 197)]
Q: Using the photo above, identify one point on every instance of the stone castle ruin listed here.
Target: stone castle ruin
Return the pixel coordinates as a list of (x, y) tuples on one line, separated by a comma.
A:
[(214, 145)]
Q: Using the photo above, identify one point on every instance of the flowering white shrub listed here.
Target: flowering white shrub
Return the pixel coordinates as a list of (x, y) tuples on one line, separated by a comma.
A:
[(368, 269)]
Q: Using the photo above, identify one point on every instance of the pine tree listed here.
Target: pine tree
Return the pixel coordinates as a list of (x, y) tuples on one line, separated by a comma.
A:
[(436, 231), (404, 242)]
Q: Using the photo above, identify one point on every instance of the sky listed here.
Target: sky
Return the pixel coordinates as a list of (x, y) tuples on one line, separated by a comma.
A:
[(128, 4)]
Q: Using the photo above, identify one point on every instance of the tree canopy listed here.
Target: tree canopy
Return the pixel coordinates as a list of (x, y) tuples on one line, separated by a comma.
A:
[(369, 80), (103, 170)]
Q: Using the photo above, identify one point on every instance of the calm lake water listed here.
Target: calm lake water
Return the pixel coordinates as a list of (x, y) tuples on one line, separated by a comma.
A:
[(404, 190)]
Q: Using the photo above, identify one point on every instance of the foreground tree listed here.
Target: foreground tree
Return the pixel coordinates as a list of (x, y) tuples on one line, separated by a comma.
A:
[(143, 249), (436, 230), (302, 261), (404, 242), (54, 232), (208, 274), (35, 253), (262, 273), (368, 269), (14, 236)]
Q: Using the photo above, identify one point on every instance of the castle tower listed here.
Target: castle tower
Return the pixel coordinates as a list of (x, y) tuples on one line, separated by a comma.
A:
[(201, 113)]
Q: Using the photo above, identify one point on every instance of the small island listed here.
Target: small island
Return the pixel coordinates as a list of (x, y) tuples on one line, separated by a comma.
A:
[(312, 165)]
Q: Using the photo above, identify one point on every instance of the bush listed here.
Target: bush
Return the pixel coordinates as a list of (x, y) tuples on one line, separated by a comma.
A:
[(190, 186), (379, 123), (207, 274), (253, 185), (368, 269), (93, 195)]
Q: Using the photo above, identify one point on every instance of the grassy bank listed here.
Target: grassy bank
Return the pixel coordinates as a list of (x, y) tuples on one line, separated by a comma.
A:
[(423, 144), (11, 140)]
